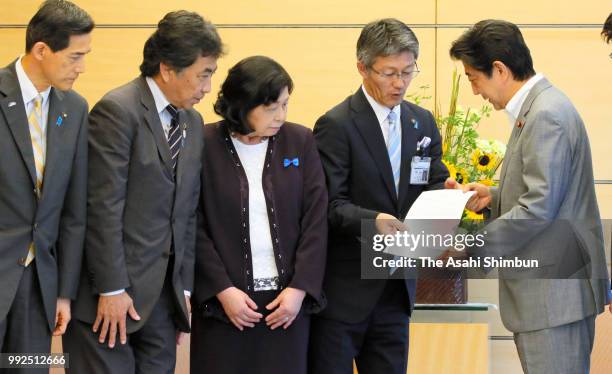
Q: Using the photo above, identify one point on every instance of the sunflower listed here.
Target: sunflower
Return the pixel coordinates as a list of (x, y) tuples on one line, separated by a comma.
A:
[(472, 216), (461, 176), (457, 174), (486, 182), (484, 161), (452, 171)]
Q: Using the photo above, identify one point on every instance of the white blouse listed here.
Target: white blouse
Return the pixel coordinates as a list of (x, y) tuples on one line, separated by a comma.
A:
[(265, 273)]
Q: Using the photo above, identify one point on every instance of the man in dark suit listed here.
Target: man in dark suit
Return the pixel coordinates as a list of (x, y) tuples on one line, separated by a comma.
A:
[(367, 144), (145, 144), (43, 171)]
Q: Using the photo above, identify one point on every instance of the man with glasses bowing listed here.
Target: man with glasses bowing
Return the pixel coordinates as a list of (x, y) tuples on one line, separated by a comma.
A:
[(367, 145)]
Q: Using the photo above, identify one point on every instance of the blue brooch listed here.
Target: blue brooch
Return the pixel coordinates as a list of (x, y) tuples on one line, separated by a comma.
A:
[(295, 162)]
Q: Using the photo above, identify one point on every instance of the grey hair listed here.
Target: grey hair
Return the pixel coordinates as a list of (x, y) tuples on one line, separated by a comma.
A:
[(383, 38)]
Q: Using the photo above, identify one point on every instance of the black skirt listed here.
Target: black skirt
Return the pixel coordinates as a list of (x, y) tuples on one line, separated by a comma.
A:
[(218, 347)]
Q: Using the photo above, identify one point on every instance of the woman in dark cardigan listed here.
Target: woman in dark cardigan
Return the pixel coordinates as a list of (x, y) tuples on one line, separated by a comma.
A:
[(261, 243)]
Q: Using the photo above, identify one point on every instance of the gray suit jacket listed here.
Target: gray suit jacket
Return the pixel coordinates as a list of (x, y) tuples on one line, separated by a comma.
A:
[(547, 210), (137, 213), (56, 221)]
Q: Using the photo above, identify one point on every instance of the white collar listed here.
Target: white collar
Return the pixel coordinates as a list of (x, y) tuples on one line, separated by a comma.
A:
[(28, 91), (382, 112), (158, 96), (513, 108)]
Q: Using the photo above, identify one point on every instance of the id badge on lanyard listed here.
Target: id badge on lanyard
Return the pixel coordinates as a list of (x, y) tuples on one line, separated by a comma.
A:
[(419, 170)]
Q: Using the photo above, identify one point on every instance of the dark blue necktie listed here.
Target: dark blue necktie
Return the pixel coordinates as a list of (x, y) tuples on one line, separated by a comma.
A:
[(174, 135)]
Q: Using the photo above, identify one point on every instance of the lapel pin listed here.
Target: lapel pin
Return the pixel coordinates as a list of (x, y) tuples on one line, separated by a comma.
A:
[(520, 124), (59, 121), (12, 103), (415, 123), (288, 162)]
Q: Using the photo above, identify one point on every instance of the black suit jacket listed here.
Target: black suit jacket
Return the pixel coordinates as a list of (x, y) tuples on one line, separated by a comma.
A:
[(56, 221), (296, 198), (360, 184), (137, 212)]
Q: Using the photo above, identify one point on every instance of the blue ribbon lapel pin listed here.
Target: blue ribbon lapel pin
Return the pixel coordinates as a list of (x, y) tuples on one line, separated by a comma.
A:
[(60, 119), (288, 162)]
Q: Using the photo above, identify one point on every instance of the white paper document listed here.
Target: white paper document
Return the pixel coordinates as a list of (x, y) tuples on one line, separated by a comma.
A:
[(439, 204), (431, 221)]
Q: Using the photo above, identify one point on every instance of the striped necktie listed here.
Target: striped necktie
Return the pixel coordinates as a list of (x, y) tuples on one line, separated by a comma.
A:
[(37, 135), (393, 147), (174, 135)]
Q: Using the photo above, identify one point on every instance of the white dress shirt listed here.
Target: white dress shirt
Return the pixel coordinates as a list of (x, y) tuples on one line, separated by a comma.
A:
[(160, 104), (513, 108), (382, 114)]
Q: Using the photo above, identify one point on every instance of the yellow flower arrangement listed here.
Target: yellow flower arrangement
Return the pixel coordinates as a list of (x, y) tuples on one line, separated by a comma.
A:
[(467, 157), (487, 182), (461, 176), (484, 161), (472, 216)]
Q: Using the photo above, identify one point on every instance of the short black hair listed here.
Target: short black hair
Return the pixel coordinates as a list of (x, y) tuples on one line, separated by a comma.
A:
[(254, 81), (606, 32), (55, 22), (494, 40), (180, 39)]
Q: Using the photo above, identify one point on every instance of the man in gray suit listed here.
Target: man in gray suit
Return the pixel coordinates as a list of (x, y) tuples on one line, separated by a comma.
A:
[(546, 192), (145, 146), (43, 171)]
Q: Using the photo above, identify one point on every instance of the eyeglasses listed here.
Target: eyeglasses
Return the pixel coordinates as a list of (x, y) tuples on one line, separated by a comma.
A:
[(404, 75)]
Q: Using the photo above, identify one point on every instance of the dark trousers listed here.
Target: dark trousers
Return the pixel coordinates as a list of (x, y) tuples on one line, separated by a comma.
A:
[(25, 328), (150, 350), (379, 344)]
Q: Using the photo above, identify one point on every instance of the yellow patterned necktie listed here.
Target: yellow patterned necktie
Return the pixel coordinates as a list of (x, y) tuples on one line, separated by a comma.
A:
[(37, 136)]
